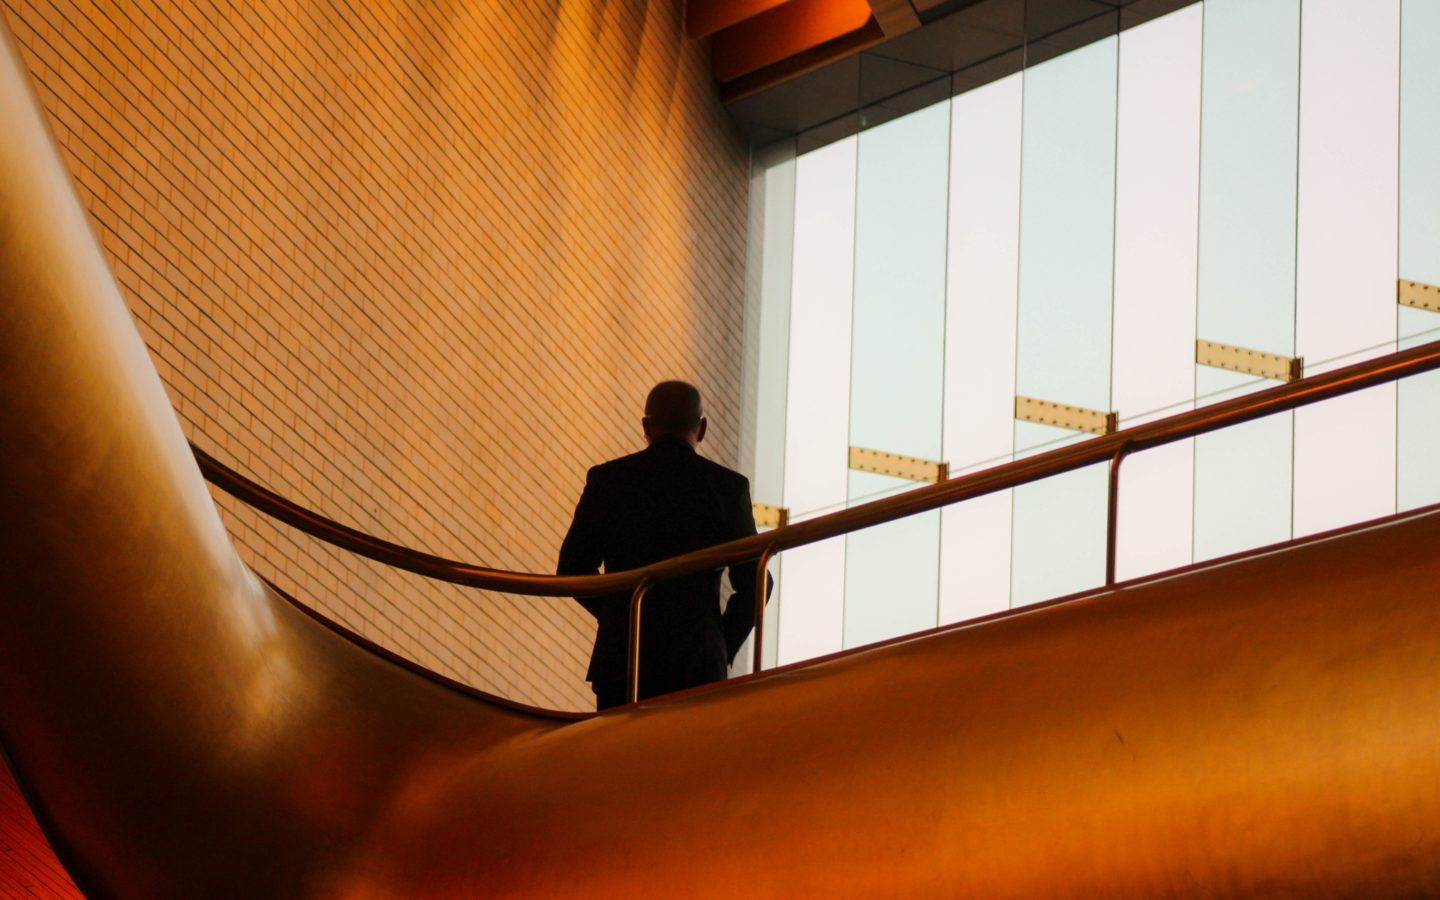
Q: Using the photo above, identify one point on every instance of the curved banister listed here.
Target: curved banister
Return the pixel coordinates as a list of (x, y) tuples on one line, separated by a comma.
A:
[(1111, 448), (1280, 398)]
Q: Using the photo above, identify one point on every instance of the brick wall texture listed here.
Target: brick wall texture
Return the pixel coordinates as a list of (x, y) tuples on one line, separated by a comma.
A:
[(413, 264)]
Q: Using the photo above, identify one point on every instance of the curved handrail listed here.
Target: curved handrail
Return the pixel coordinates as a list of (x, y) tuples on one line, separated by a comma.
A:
[(1111, 448), (1280, 398)]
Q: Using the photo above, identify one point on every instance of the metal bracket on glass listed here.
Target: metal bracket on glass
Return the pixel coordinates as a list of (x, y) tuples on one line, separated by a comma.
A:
[(767, 516), (1060, 415), (911, 468), (1251, 362), (1417, 295)]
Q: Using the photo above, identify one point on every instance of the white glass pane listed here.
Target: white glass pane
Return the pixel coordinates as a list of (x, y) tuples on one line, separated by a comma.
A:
[(897, 362), (1418, 477), (1246, 291), (1346, 254), (767, 318), (768, 279), (1061, 548), (1242, 474), (1067, 221), (984, 247), (818, 410), (1157, 197)]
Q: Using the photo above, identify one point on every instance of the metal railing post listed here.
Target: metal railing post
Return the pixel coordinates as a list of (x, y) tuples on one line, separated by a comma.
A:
[(632, 670), (762, 592), (762, 579), (1112, 513)]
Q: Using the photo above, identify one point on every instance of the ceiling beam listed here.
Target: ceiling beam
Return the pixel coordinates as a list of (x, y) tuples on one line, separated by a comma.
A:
[(894, 17)]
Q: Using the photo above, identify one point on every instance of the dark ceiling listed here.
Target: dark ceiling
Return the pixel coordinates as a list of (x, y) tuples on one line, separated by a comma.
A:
[(960, 45)]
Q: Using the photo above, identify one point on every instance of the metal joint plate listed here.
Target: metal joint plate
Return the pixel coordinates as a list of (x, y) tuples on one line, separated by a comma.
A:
[(767, 516), (1251, 362), (911, 468), (1075, 418), (1418, 295)]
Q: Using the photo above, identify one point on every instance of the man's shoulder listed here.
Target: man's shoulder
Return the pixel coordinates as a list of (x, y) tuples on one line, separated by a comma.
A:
[(725, 475), (615, 467)]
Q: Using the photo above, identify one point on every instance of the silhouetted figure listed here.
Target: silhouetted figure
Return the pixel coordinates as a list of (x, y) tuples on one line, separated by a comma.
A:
[(639, 509)]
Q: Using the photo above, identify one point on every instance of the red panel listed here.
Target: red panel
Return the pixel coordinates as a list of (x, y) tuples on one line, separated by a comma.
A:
[(705, 17), (28, 867), (783, 32)]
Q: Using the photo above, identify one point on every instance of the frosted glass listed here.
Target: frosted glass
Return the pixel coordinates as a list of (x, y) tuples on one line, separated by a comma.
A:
[(1067, 229), (897, 362), (1242, 474), (1246, 290), (981, 293), (1059, 531), (1346, 256), (1157, 200), (1249, 128), (769, 276), (1418, 476), (812, 582)]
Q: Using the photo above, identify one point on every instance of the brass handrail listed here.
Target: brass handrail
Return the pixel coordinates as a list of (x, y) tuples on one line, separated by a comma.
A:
[(1111, 448)]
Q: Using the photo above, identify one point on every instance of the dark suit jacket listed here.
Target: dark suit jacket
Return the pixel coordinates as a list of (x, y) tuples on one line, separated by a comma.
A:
[(639, 509)]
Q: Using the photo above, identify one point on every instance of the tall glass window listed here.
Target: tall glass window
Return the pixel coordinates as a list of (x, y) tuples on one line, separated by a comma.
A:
[(1418, 477), (1346, 254), (1249, 127), (812, 582), (1157, 204), (897, 363), (1067, 234), (981, 294), (1168, 216)]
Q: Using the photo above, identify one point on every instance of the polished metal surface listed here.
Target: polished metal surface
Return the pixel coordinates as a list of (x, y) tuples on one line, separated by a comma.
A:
[(1260, 727)]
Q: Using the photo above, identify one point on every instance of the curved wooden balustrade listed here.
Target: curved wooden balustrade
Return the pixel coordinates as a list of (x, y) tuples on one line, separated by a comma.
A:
[(1262, 726)]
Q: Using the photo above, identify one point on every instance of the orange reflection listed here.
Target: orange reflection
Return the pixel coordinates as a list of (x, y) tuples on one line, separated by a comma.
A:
[(783, 32)]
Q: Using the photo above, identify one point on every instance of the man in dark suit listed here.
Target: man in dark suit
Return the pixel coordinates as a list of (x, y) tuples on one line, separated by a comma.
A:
[(648, 506)]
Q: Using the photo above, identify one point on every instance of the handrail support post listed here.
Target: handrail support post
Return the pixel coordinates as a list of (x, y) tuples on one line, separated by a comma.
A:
[(762, 582), (632, 669), (1112, 512)]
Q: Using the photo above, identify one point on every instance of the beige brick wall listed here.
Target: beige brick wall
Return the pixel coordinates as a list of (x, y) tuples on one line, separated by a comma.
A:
[(412, 264)]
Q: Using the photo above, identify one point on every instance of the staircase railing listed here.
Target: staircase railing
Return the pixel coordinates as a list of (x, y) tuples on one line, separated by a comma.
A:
[(1112, 448)]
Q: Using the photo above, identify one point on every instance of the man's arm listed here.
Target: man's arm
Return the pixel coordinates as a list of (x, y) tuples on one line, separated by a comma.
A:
[(581, 552), (739, 615)]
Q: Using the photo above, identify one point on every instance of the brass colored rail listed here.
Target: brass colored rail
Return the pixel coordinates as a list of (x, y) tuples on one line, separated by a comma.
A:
[(1110, 448)]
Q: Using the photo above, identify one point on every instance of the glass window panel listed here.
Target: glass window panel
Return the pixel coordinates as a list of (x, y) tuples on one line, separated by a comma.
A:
[(1059, 534), (1067, 223), (897, 361), (818, 410), (771, 239), (1242, 474), (1157, 201), (1418, 477), (767, 318), (1246, 291), (1067, 219), (984, 248), (1346, 254)]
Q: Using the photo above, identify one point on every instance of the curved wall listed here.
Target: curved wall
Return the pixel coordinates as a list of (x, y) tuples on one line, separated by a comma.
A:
[(413, 265)]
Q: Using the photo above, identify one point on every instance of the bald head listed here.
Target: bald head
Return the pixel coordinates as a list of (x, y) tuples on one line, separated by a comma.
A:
[(673, 409)]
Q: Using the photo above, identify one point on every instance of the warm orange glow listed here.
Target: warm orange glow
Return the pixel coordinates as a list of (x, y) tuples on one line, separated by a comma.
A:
[(783, 32), (705, 17)]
